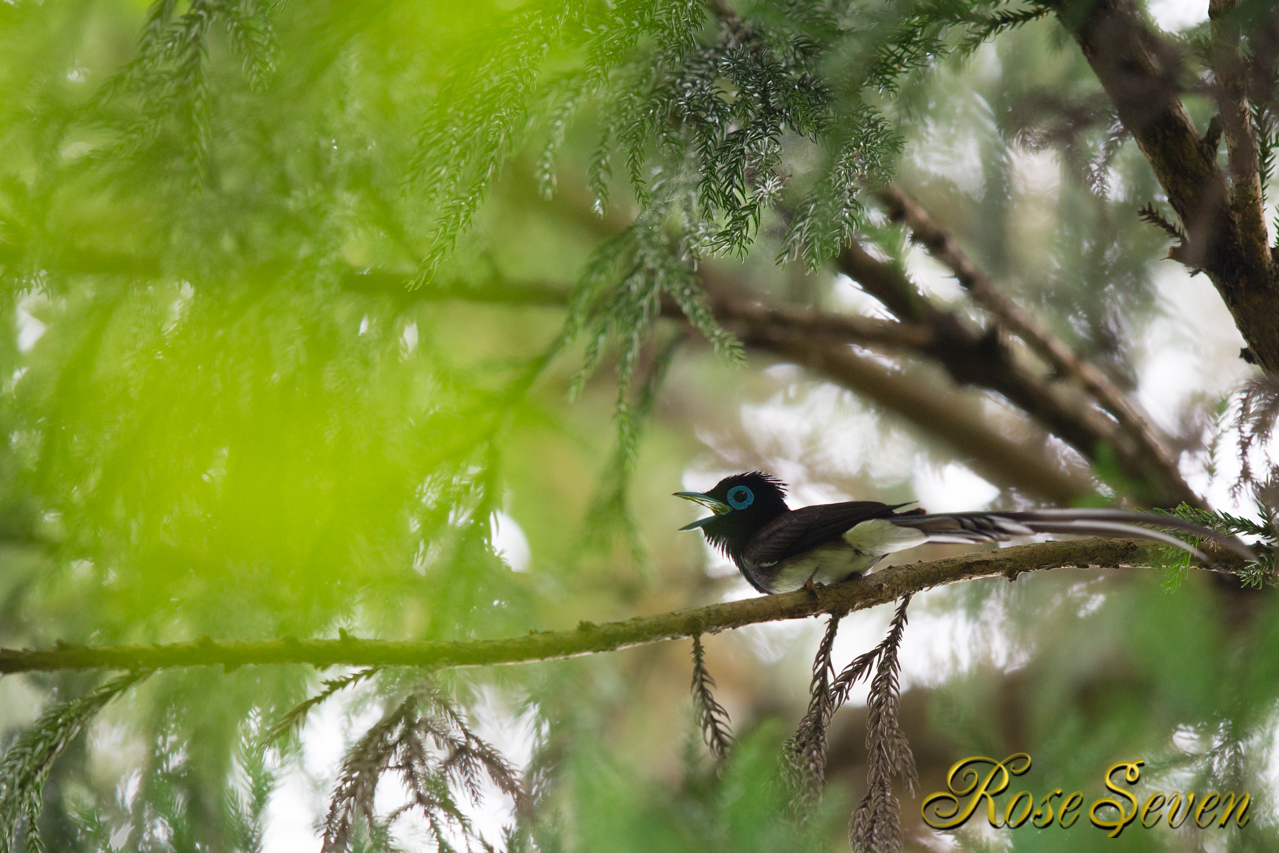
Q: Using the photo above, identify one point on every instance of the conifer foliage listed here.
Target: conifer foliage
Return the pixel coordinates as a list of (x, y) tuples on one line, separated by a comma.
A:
[(297, 294)]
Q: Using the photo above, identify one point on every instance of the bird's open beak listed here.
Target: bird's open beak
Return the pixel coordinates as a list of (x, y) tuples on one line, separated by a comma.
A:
[(713, 504)]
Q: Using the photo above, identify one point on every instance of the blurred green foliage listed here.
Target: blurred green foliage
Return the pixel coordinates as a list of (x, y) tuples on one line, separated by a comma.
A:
[(272, 368)]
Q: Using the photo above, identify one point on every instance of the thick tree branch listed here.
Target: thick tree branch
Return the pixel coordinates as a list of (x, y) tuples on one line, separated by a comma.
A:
[(1139, 73), (972, 359), (1247, 207), (1147, 440), (748, 316), (879, 588), (984, 359)]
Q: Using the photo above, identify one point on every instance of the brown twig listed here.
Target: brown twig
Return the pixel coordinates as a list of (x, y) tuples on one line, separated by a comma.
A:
[(804, 754), (876, 824)]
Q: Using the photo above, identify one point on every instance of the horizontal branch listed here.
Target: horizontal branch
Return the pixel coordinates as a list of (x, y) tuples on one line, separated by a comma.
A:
[(818, 340), (879, 588)]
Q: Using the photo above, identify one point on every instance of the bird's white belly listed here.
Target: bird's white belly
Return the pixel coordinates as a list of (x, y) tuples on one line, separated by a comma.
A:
[(824, 564)]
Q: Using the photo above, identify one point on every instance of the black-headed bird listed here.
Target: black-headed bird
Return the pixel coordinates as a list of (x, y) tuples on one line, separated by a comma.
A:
[(779, 549)]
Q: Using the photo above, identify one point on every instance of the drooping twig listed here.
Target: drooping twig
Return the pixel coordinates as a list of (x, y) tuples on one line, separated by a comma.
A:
[(712, 717), (876, 824), (426, 742), (27, 762), (804, 754)]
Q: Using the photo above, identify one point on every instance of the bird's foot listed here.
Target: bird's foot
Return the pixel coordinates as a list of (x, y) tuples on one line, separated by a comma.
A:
[(810, 587)]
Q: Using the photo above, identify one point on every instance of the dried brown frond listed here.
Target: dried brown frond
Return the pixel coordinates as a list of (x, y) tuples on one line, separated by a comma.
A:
[(426, 741), (804, 754), (711, 716), (876, 824)]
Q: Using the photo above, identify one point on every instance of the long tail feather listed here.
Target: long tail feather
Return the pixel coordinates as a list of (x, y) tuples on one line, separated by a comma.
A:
[(970, 527), (1115, 530), (1129, 519)]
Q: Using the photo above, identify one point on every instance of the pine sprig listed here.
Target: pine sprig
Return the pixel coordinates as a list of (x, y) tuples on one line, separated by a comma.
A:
[(169, 75), (427, 743), (610, 507), (712, 717), (620, 293), (985, 27), (26, 764), (1177, 562), (832, 213), (1267, 135), (291, 721), (247, 811)]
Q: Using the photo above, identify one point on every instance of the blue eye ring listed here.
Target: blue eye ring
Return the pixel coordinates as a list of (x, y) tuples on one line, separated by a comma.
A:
[(740, 497)]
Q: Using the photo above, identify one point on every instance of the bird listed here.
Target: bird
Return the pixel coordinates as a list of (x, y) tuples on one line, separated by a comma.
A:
[(779, 549)]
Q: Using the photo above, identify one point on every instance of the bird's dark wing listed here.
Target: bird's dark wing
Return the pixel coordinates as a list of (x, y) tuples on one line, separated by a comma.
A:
[(803, 529)]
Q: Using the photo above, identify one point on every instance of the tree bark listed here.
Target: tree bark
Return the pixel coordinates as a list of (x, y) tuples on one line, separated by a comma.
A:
[(1222, 214), (859, 594)]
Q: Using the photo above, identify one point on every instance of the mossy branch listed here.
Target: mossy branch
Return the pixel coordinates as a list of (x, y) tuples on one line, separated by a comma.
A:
[(879, 588)]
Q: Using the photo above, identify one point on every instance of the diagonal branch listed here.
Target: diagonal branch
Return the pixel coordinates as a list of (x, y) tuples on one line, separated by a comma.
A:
[(1139, 73), (859, 594), (1247, 206), (984, 359), (1146, 438)]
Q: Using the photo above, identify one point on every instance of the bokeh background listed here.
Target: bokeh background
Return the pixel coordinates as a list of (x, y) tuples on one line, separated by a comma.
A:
[(226, 412)]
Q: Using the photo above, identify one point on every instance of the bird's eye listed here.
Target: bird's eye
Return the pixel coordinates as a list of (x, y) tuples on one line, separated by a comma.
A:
[(740, 497)]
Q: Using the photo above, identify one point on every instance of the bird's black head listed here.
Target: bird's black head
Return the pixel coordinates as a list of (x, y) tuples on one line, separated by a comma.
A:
[(742, 503)]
